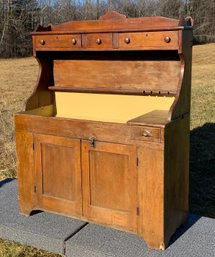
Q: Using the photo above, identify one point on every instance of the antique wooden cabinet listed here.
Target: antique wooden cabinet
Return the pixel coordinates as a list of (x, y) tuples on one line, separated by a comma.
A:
[(105, 134)]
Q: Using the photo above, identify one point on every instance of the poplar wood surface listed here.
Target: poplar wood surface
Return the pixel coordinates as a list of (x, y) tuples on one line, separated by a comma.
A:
[(105, 134)]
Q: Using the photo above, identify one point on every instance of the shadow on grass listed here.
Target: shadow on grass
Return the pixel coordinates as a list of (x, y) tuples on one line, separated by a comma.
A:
[(5, 181), (202, 170)]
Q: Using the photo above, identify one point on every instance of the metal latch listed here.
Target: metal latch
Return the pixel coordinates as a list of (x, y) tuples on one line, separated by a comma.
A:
[(92, 141), (147, 133)]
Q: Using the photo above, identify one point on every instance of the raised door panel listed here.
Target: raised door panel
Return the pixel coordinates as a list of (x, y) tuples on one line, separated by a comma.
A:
[(57, 162), (109, 184)]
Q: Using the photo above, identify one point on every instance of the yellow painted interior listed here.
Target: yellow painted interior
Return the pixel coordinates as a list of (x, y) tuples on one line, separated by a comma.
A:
[(46, 111), (107, 107)]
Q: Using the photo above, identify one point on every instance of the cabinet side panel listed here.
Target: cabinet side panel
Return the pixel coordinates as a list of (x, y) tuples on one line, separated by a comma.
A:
[(24, 150), (151, 195), (41, 96), (176, 174), (181, 105)]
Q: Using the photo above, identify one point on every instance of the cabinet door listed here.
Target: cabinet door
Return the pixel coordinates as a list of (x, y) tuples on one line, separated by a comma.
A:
[(109, 184), (58, 176)]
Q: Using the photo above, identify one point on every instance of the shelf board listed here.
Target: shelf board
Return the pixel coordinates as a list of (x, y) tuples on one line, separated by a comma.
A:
[(101, 90)]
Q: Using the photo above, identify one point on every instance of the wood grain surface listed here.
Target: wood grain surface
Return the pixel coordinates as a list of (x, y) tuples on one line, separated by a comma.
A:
[(83, 151)]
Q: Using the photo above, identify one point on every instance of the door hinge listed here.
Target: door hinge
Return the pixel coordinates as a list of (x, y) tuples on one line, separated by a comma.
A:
[(35, 189), (138, 211), (137, 161), (33, 146)]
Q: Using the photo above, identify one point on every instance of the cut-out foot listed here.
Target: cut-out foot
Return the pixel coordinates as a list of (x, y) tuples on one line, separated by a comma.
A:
[(156, 242), (30, 212)]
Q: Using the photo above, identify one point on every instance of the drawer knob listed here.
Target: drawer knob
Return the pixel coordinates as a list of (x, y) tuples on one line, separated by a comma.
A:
[(98, 41), (74, 41), (127, 40), (42, 42), (147, 133), (167, 39)]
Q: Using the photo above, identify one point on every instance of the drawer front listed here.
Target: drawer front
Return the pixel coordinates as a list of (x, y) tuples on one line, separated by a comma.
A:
[(146, 134), (99, 40), (58, 42), (160, 39)]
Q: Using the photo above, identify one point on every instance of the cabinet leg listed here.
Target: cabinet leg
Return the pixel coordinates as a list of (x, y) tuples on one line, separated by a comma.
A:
[(154, 242), (29, 212), (25, 211), (25, 208), (26, 214)]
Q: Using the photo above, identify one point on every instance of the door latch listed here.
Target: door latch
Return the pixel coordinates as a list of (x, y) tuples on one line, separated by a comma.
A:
[(92, 141)]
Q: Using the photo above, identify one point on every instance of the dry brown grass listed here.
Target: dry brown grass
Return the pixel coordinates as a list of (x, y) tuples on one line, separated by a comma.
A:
[(17, 80), (202, 154), (203, 85)]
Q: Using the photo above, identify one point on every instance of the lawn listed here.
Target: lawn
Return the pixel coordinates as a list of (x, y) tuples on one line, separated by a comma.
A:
[(10, 249), (17, 80), (202, 154)]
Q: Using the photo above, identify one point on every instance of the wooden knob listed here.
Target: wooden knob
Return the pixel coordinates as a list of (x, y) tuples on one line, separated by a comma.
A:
[(167, 39), (98, 41), (74, 41), (127, 40), (42, 42)]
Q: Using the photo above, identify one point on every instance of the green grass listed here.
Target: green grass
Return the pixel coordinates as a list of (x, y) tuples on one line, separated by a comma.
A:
[(9, 249), (17, 80)]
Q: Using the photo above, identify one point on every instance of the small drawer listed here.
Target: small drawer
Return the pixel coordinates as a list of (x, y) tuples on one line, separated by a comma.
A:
[(98, 40), (58, 42), (150, 40), (146, 134)]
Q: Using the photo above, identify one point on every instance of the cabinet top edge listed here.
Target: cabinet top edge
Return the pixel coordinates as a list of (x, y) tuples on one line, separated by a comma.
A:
[(112, 30), (116, 22)]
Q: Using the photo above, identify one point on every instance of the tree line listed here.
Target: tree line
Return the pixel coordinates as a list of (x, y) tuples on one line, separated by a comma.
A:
[(20, 17)]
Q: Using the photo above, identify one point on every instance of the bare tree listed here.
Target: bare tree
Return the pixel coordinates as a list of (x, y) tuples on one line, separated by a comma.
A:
[(20, 17)]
